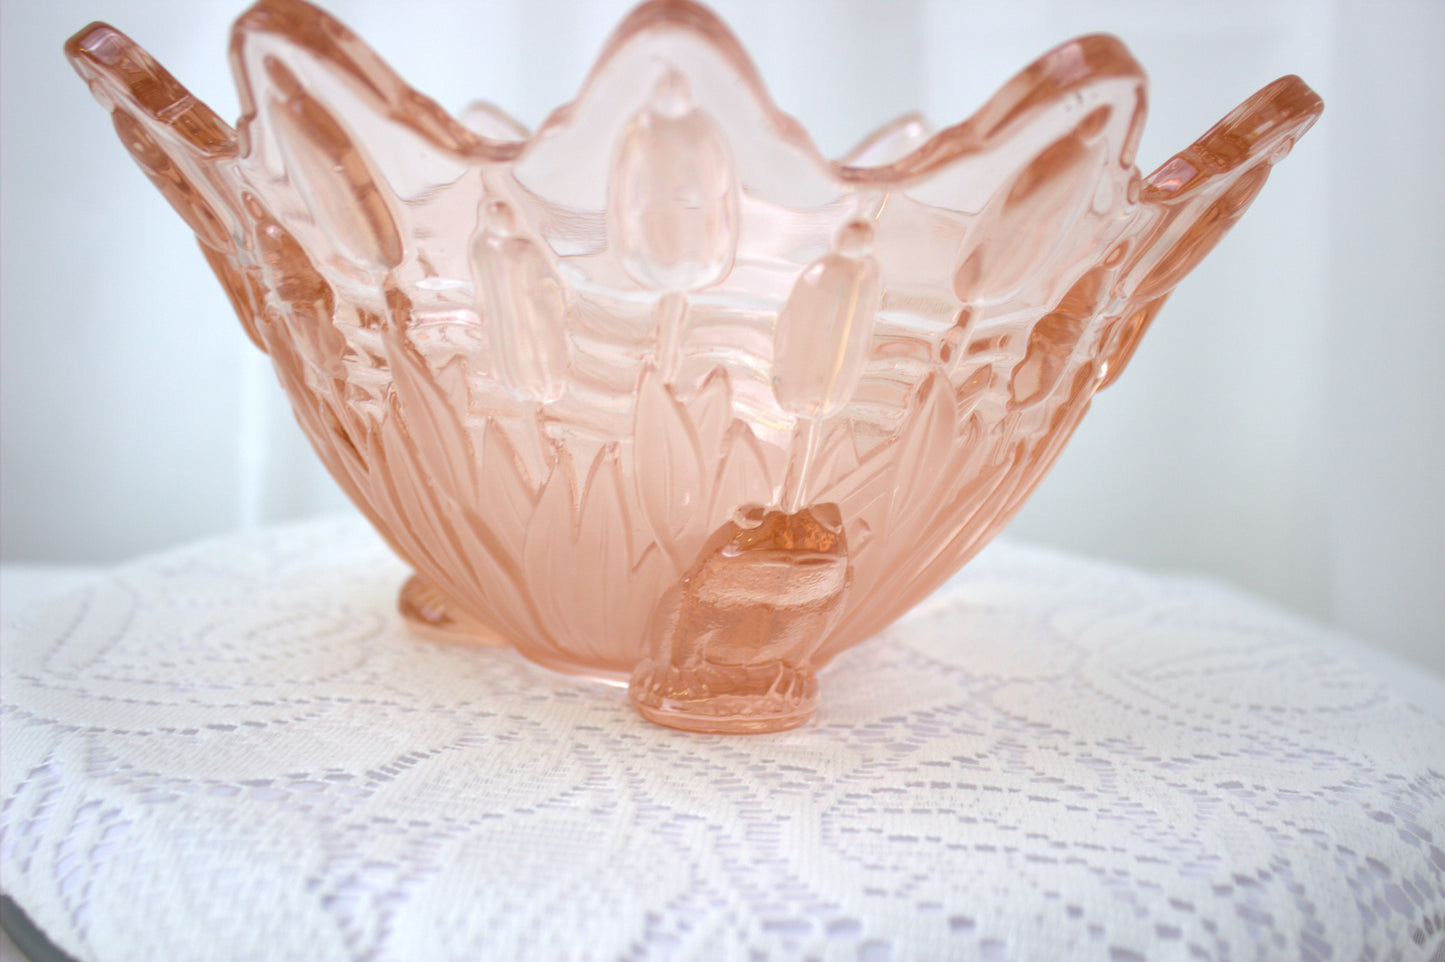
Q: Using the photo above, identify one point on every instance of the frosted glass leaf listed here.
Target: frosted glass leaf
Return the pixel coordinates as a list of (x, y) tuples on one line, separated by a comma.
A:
[(669, 474)]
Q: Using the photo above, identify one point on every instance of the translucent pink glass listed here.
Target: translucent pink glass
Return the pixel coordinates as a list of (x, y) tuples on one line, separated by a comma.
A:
[(658, 392)]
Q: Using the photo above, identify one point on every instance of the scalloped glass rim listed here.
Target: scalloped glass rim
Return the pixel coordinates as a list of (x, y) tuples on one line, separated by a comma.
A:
[(1051, 75)]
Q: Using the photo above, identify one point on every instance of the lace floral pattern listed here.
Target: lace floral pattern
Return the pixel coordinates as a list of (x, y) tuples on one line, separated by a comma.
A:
[(236, 750)]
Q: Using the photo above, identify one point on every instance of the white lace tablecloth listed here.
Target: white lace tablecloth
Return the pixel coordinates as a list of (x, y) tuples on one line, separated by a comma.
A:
[(236, 751)]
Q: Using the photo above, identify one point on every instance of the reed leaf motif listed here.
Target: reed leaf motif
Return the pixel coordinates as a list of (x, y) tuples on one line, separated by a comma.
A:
[(670, 479)]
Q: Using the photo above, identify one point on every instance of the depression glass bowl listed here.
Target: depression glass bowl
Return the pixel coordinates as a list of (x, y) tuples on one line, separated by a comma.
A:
[(658, 392)]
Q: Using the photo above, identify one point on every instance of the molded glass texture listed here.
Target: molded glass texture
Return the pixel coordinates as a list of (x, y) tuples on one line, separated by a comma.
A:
[(658, 392)]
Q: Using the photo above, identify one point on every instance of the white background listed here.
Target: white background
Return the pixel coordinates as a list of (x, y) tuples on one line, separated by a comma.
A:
[(1281, 427)]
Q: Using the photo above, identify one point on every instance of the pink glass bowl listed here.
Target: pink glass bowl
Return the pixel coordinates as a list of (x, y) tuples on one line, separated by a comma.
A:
[(658, 392)]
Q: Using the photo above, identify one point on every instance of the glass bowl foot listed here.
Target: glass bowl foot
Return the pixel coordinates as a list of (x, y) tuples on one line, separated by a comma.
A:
[(725, 699), (432, 615)]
